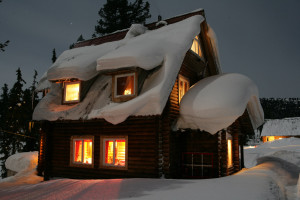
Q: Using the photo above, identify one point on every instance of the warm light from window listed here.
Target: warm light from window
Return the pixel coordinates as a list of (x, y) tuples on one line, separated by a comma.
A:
[(115, 152), (72, 91), (125, 85), (184, 86), (196, 46), (270, 138), (83, 153), (229, 147)]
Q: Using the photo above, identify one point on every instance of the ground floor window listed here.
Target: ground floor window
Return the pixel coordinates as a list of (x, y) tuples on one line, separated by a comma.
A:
[(114, 152), (82, 148), (229, 151)]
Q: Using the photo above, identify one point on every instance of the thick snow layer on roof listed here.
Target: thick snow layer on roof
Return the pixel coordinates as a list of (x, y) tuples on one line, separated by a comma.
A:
[(214, 103), (79, 63), (43, 83), (165, 47), (282, 127)]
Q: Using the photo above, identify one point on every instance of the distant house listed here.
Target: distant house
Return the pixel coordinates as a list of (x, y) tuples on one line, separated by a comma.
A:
[(149, 101), (276, 129)]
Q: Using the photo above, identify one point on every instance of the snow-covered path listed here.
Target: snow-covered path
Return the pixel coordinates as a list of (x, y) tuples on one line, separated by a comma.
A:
[(265, 181)]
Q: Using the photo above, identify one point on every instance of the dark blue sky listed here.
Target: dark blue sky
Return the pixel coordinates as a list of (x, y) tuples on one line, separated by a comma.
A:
[(258, 38)]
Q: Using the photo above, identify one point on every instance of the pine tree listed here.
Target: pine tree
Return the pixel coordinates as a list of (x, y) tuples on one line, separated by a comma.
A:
[(80, 39), (53, 56), (5, 148), (30, 100), (119, 14), (15, 116)]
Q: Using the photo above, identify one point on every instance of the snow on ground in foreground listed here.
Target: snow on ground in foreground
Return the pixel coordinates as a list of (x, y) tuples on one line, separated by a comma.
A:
[(287, 149), (274, 178), (25, 166)]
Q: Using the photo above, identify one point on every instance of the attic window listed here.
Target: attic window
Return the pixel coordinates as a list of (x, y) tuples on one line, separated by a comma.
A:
[(114, 152), (82, 150), (71, 92), (124, 87), (183, 86), (196, 47)]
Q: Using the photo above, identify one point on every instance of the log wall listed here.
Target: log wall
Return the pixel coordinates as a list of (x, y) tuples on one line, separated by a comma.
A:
[(142, 148)]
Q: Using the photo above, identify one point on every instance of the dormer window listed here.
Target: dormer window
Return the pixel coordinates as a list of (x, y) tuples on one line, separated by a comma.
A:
[(196, 47), (71, 92), (183, 86), (124, 86)]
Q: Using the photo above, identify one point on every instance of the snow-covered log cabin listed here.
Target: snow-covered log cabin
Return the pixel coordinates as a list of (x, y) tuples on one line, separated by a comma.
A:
[(276, 129), (149, 101)]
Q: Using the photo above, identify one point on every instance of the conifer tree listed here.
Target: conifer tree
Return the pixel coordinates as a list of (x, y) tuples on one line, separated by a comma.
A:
[(4, 141), (53, 56), (30, 100), (119, 14), (15, 115), (5, 44)]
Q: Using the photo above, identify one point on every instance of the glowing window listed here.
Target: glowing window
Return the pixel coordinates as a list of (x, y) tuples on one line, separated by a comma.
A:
[(184, 86), (82, 151), (125, 85), (71, 92), (196, 47), (114, 152), (229, 149)]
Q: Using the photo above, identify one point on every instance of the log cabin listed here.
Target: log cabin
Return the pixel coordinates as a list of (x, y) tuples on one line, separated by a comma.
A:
[(276, 129), (149, 101)]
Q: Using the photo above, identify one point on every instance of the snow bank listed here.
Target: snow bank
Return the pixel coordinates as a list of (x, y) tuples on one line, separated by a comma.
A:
[(282, 127), (256, 183), (286, 149), (214, 103), (25, 164)]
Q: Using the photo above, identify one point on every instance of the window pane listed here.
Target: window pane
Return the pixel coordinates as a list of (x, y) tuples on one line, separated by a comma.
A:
[(72, 92), (78, 151), (120, 148), (229, 146), (125, 85), (109, 148), (88, 151)]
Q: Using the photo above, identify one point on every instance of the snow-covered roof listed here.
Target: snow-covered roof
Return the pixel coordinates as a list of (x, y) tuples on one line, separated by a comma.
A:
[(43, 83), (164, 47), (79, 63), (282, 127), (214, 103)]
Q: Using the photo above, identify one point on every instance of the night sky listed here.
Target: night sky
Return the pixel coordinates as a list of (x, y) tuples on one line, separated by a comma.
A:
[(258, 38)]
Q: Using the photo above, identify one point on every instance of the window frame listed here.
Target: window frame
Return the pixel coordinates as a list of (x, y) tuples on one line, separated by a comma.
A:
[(103, 165), (122, 98), (65, 83), (229, 138), (72, 151), (183, 79)]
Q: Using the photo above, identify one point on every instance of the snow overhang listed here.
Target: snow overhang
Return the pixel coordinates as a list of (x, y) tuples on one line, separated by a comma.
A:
[(214, 103), (79, 63)]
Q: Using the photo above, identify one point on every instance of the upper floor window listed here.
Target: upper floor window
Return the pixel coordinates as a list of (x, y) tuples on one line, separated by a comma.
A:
[(196, 47), (184, 86), (124, 87), (71, 92), (82, 150)]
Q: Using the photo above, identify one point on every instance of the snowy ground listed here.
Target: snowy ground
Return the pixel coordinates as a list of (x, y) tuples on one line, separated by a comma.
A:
[(275, 177)]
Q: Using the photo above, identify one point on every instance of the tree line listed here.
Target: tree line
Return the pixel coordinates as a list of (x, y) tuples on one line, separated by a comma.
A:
[(16, 108), (278, 108)]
